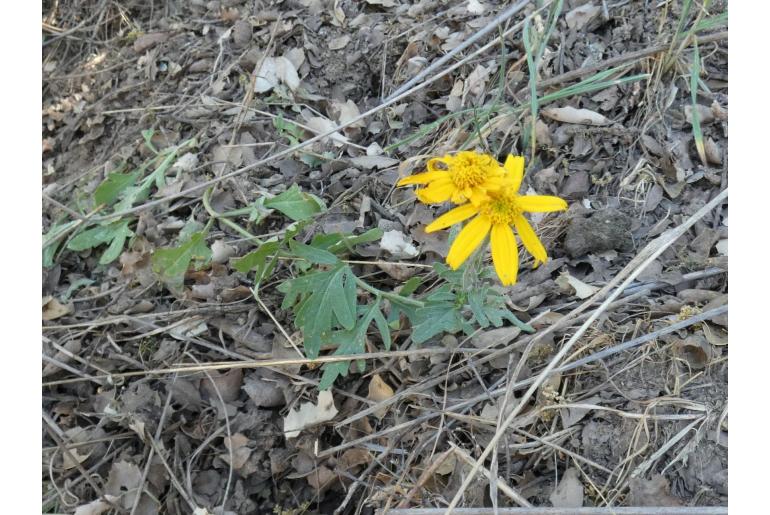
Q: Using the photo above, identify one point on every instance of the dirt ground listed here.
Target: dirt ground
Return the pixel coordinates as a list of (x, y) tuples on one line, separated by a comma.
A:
[(174, 367)]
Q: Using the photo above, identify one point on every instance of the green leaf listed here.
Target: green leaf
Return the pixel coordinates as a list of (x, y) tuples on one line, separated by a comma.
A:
[(295, 204), (320, 304), (49, 249), (78, 283), (312, 254), (147, 135), (116, 246), (92, 238), (115, 234), (171, 263), (476, 302), (350, 342), (257, 259), (382, 326), (434, 319), (336, 242), (111, 188)]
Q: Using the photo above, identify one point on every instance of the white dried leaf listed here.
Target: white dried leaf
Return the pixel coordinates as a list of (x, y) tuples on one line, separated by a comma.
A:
[(221, 251), (296, 56), (398, 244), (347, 111), (339, 43), (569, 492), (309, 414), (320, 125), (572, 115), (384, 3), (188, 329), (476, 7), (477, 81), (582, 290), (374, 149), (186, 163), (722, 247), (96, 507), (275, 70), (378, 162), (455, 100)]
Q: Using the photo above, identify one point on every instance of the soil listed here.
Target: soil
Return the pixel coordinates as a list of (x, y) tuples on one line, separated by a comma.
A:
[(128, 428)]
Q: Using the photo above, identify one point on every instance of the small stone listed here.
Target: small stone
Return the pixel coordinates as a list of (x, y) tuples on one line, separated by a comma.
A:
[(600, 231)]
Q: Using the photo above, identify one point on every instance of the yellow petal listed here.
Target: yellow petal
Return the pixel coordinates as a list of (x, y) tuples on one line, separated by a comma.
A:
[(541, 203), (422, 178), (437, 191), (495, 183), (514, 165), (467, 241), (505, 254), (530, 240), (452, 217)]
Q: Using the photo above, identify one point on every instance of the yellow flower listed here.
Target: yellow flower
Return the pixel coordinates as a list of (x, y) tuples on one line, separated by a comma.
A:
[(504, 209), (462, 177)]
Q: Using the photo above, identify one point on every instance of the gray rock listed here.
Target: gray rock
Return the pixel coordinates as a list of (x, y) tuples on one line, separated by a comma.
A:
[(608, 229)]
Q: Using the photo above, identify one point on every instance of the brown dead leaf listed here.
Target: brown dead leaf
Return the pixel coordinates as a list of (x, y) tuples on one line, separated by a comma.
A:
[(53, 309), (147, 41), (353, 458), (321, 478), (694, 350), (228, 384), (379, 390)]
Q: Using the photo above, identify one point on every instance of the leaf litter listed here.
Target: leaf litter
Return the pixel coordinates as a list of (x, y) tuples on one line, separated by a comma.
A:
[(154, 102)]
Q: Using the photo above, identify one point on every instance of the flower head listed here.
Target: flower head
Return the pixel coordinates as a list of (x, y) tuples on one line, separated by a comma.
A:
[(463, 177), (495, 217)]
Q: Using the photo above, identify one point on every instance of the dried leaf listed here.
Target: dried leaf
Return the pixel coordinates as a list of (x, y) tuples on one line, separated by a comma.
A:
[(651, 492), (569, 492), (379, 390), (567, 283), (274, 71), (398, 244), (124, 481), (238, 446), (321, 125), (572, 115), (53, 309), (96, 507), (369, 162), (221, 252), (228, 384), (476, 7), (339, 43), (309, 414), (580, 16)]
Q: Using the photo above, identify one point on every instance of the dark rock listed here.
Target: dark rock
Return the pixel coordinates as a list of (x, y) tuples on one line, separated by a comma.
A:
[(600, 231)]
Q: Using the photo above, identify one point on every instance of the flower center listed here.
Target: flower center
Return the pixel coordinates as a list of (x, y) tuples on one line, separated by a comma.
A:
[(502, 208), (469, 169)]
